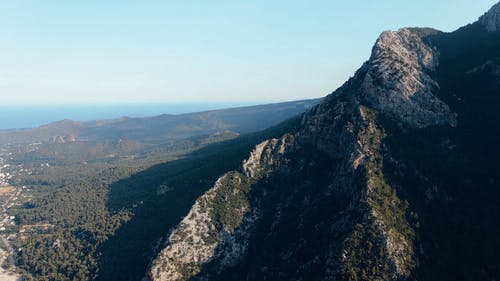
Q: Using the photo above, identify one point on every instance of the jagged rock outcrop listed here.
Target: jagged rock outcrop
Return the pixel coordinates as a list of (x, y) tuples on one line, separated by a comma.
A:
[(218, 222), (491, 19), (354, 139), (397, 81), (63, 139), (190, 243)]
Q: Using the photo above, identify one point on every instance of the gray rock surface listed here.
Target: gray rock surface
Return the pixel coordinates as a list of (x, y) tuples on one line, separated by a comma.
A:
[(491, 19), (397, 80)]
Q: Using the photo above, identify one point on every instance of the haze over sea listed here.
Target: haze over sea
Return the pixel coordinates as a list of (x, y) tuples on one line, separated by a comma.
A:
[(29, 116)]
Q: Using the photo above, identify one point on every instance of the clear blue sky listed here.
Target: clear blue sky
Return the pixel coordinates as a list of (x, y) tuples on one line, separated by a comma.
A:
[(64, 52)]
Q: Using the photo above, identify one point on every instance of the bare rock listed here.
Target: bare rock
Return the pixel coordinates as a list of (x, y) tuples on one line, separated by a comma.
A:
[(397, 80), (491, 19)]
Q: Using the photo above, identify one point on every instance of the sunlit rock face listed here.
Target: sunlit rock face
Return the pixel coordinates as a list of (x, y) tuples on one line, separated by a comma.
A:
[(398, 83)]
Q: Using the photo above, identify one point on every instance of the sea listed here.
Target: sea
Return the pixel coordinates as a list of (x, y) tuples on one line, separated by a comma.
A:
[(31, 116)]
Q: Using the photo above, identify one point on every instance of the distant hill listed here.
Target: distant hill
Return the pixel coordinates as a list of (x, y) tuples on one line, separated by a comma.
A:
[(163, 127)]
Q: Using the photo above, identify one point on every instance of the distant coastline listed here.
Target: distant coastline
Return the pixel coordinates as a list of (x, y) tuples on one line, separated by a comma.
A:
[(30, 116)]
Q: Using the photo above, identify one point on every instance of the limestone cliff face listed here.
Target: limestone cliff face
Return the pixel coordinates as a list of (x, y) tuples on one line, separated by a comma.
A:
[(345, 127), (268, 156), (397, 80)]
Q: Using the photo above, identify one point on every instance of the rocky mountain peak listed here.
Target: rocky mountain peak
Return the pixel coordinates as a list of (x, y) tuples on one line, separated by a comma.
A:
[(397, 79), (491, 19), (405, 43)]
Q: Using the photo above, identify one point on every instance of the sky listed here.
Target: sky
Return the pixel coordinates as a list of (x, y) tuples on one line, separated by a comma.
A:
[(110, 52)]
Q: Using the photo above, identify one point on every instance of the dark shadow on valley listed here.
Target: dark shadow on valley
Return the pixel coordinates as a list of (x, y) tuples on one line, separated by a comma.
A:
[(161, 195)]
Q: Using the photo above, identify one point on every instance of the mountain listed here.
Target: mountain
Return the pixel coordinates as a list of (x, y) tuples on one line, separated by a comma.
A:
[(394, 176), (163, 127)]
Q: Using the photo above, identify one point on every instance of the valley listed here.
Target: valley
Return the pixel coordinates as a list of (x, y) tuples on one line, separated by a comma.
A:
[(68, 202)]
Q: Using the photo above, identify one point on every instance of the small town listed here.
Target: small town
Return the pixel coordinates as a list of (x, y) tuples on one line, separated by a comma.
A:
[(11, 196)]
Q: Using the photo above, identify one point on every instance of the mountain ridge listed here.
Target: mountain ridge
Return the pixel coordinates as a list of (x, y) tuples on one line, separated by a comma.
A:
[(491, 19), (329, 180), (166, 126)]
